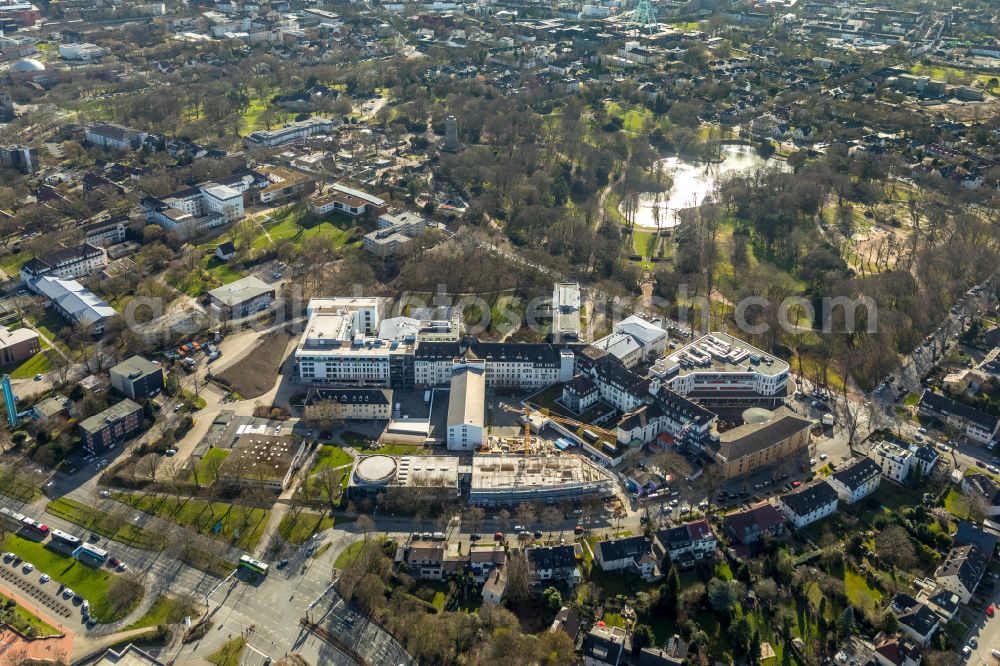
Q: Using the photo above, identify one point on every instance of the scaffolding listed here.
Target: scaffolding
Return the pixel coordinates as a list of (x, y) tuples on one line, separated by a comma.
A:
[(643, 17)]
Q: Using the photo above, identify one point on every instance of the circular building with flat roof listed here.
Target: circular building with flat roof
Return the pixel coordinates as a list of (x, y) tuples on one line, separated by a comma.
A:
[(377, 470), (757, 415)]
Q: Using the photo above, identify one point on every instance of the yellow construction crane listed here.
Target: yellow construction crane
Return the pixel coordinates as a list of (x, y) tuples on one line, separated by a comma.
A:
[(526, 413)]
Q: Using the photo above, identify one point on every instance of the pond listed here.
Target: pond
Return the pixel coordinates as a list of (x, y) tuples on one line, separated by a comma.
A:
[(692, 182)]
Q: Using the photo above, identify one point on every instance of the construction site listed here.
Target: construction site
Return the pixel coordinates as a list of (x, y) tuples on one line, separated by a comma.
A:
[(511, 479)]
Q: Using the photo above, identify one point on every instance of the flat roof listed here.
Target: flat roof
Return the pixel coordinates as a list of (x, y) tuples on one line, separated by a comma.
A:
[(497, 472), (721, 352), (12, 337), (260, 457), (241, 290), (135, 364)]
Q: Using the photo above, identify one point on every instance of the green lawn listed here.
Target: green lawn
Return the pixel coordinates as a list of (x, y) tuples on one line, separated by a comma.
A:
[(92, 583), (400, 450), (11, 486), (228, 654), (165, 610), (298, 525), (300, 227), (240, 525), (103, 523), (348, 555), (956, 504), (29, 367), (859, 593), (212, 460), (27, 622), (221, 270), (329, 457)]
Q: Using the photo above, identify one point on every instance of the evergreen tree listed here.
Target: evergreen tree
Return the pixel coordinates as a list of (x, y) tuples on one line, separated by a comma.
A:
[(753, 654)]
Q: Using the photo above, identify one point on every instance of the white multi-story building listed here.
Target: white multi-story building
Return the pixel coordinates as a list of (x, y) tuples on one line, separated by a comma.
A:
[(81, 52), (288, 133), (522, 366), (341, 346), (856, 480), (395, 231), (894, 460), (108, 135), (196, 209), (70, 263), (720, 370), (467, 406), (809, 503)]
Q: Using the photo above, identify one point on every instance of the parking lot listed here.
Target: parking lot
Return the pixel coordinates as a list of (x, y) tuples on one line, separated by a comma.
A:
[(29, 583)]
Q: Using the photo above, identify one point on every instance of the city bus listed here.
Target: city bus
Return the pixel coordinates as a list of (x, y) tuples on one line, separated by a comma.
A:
[(63, 537), (93, 552), (251, 564), (41, 528)]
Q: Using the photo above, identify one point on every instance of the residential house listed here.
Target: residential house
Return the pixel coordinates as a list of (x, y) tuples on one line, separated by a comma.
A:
[(225, 251), (970, 534), (961, 571), (894, 459), (686, 544), (483, 561), (925, 458), (495, 587), (552, 563), (974, 424), (942, 602), (674, 653), (632, 553), (896, 651), (749, 526), (425, 559), (915, 619), (984, 491), (567, 620), (856, 480), (603, 645), (809, 503)]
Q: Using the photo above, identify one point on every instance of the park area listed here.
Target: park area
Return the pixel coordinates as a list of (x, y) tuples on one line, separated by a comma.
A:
[(107, 525), (236, 524)]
